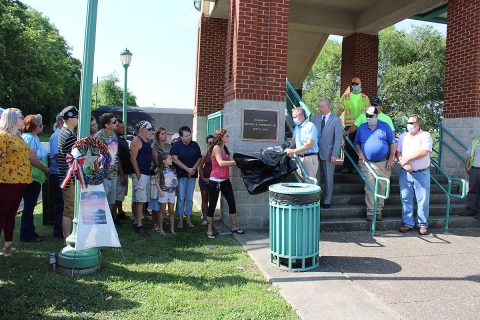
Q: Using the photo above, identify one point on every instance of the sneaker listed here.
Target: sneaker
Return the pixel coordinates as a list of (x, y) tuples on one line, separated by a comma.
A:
[(140, 230), (405, 229), (11, 248), (180, 226), (204, 222), (190, 225), (423, 231)]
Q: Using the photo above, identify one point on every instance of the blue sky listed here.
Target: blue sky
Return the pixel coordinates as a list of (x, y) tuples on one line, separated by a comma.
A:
[(162, 35)]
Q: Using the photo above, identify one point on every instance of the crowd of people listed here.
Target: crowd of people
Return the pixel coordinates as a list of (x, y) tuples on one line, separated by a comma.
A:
[(163, 175), (371, 136)]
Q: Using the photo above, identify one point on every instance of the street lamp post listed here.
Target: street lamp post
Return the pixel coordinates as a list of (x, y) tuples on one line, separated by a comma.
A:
[(85, 261), (126, 58)]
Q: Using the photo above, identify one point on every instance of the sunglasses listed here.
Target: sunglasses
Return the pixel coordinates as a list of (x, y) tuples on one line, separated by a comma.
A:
[(114, 122), (411, 122), (370, 115), (355, 84)]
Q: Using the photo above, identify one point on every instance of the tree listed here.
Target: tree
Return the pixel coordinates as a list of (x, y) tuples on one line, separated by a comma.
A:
[(411, 74), (324, 79), (110, 94), (37, 72)]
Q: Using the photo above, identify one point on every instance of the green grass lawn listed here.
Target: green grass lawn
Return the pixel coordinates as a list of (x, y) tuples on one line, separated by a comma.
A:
[(152, 277)]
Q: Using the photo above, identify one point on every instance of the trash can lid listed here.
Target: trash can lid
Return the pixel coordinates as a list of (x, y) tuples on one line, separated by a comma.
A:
[(294, 188)]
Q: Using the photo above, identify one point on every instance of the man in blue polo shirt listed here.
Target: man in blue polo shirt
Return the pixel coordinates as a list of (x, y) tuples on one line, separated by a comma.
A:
[(376, 144), (305, 138)]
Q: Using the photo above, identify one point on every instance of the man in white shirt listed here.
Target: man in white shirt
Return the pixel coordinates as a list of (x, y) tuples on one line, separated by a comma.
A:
[(413, 152)]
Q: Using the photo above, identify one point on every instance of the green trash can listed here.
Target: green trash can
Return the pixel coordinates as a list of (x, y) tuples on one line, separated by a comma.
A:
[(294, 226)]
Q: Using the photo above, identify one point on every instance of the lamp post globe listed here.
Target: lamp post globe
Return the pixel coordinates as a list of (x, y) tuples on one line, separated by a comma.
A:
[(126, 58)]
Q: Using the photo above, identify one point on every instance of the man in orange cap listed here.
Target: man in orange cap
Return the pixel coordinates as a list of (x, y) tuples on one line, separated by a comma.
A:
[(352, 104)]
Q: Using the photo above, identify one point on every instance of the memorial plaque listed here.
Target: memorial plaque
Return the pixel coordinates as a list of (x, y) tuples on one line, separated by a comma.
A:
[(260, 124)]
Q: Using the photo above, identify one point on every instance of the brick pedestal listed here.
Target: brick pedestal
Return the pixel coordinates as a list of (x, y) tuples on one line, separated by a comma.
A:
[(360, 59), (462, 78)]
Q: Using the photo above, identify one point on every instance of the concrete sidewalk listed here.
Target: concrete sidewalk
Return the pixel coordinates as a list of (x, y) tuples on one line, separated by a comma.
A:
[(395, 276)]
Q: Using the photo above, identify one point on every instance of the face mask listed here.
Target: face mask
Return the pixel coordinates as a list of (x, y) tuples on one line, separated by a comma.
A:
[(410, 128), (296, 121), (357, 88), (372, 121)]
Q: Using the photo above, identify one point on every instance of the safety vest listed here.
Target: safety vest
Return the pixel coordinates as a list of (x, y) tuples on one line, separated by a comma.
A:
[(352, 109), (475, 143)]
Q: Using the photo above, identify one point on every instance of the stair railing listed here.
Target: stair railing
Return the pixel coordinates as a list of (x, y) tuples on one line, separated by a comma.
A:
[(442, 142), (448, 190), (293, 99), (375, 190)]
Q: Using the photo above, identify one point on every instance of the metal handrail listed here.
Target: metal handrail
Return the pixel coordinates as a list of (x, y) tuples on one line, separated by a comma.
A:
[(448, 191), (304, 172), (367, 183), (296, 100), (443, 142)]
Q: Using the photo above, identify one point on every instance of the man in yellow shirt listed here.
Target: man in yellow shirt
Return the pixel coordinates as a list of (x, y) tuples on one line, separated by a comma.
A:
[(352, 105)]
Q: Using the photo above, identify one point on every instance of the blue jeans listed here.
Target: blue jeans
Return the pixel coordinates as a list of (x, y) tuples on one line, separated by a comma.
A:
[(57, 206), (417, 183), (185, 189), (30, 198)]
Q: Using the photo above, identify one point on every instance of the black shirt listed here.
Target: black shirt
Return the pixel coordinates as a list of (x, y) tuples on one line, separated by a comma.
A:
[(124, 155)]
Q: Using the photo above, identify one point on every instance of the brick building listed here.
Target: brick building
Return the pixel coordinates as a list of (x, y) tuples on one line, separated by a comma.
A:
[(247, 48)]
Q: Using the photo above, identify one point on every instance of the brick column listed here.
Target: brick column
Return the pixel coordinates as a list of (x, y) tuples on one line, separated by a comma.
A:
[(360, 59), (210, 73), (256, 60), (462, 78), (257, 50)]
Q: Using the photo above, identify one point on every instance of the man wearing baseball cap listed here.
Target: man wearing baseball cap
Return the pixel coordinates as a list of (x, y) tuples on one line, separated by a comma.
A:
[(352, 105), (141, 157), (377, 103), (376, 144), (65, 143)]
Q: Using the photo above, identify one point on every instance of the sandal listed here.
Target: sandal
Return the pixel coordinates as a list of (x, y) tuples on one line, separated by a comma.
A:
[(180, 226), (238, 230), (210, 236), (190, 225)]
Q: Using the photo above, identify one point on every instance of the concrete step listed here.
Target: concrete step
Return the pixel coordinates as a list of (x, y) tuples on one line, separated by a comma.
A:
[(390, 210), (392, 223), (359, 199), (394, 178), (347, 189)]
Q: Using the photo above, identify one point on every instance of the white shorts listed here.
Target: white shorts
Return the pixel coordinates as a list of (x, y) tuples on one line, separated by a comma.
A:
[(168, 197), (121, 190), (110, 187), (140, 188)]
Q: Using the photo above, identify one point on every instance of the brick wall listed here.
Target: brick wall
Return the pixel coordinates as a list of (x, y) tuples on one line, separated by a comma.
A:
[(210, 70), (257, 45), (360, 59), (462, 63)]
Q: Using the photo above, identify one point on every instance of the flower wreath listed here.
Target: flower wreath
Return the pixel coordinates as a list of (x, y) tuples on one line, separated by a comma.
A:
[(89, 161)]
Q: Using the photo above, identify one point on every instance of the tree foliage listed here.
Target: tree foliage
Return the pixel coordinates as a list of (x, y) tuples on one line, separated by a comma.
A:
[(37, 72), (110, 94), (324, 78), (410, 74)]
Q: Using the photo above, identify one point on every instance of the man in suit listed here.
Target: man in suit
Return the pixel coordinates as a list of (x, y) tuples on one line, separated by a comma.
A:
[(329, 127)]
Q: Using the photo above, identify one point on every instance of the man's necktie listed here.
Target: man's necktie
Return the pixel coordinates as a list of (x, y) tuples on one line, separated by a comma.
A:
[(322, 125)]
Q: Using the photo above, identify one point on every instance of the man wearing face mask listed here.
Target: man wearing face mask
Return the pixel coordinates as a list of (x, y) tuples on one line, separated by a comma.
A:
[(352, 105), (377, 103), (413, 152), (376, 144), (304, 142)]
